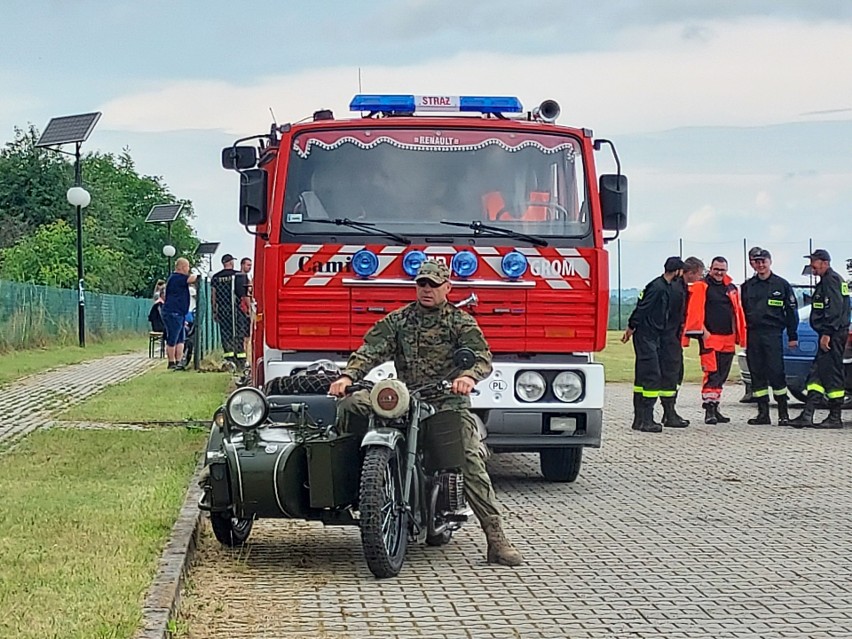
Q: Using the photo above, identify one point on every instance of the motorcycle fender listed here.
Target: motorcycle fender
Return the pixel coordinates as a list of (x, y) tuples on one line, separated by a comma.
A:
[(219, 486), (387, 437)]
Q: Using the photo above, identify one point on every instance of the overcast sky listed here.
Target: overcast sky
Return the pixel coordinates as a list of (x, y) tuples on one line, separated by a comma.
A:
[(732, 119)]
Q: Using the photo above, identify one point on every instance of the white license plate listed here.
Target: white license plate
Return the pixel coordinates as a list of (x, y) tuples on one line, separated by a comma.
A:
[(563, 423)]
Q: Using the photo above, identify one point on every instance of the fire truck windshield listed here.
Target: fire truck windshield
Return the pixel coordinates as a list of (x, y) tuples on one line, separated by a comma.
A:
[(408, 181)]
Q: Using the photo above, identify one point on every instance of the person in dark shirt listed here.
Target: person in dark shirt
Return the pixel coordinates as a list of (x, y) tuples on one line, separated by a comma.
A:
[(174, 310), (715, 316), (770, 306), (830, 319), (658, 314), (228, 288)]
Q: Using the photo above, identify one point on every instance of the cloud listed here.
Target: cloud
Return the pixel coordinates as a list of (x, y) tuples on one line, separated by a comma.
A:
[(746, 74), (496, 19)]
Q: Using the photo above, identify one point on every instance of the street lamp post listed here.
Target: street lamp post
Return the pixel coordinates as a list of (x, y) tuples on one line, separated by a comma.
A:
[(67, 130), (79, 198)]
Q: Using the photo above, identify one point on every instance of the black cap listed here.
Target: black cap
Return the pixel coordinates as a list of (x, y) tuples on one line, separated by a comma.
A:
[(674, 264), (227, 257), (819, 254), (757, 253)]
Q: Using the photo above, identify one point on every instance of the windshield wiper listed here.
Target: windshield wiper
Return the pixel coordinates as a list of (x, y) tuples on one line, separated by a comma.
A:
[(365, 226), (479, 228)]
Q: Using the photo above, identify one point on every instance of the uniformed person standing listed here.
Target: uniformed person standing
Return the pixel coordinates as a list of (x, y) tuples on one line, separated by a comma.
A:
[(770, 306), (421, 338), (648, 325), (830, 319), (715, 316)]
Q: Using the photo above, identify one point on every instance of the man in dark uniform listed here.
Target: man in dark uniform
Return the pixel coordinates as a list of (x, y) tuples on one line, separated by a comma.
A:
[(770, 306), (648, 325), (671, 348), (227, 288), (830, 319)]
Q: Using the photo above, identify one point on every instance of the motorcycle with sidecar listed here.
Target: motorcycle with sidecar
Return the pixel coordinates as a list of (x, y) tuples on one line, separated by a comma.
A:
[(288, 452)]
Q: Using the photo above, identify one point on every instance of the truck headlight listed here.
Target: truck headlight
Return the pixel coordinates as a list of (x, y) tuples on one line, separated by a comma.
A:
[(247, 408), (530, 386), (568, 386)]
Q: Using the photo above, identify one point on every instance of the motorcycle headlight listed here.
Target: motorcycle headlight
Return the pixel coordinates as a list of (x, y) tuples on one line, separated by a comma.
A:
[(568, 386), (530, 386), (390, 398), (247, 408)]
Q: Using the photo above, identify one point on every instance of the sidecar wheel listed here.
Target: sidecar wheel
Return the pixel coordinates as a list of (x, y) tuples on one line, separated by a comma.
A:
[(384, 522), (229, 530)]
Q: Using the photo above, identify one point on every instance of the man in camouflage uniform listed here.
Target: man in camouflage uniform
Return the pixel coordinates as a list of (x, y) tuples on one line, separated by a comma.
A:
[(421, 338)]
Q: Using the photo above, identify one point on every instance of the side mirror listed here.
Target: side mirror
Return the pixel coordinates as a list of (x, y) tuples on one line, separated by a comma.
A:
[(464, 358), (613, 193), (237, 158), (253, 197)]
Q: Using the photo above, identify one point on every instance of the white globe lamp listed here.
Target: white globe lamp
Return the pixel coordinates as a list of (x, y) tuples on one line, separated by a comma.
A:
[(169, 250), (78, 196)]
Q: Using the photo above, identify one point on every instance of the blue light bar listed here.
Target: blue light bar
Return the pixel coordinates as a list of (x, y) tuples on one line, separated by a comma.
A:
[(435, 104)]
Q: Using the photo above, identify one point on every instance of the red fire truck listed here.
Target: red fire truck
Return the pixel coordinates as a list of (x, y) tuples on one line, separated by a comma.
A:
[(344, 211)]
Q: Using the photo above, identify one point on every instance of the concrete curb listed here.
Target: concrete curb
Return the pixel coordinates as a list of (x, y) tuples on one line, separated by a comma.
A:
[(163, 600)]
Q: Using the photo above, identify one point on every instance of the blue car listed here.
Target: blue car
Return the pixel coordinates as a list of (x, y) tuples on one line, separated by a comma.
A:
[(797, 361)]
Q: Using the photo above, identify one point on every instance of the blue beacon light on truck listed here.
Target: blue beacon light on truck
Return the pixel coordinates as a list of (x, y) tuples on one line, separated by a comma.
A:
[(365, 263), (412, 261), (514, 264), (464, 263), (435, 103)]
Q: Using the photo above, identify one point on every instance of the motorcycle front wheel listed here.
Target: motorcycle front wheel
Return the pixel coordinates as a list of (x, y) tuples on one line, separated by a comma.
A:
[(384, 522)]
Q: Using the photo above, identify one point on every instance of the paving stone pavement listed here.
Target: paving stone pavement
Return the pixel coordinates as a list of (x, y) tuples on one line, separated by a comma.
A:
[(729, 531), (30, 402)]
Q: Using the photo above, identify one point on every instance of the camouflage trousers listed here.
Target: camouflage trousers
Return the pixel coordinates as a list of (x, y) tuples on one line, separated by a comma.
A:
[(477, 484)]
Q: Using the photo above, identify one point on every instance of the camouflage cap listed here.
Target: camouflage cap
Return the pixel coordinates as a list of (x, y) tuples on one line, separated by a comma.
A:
[(434, 271)]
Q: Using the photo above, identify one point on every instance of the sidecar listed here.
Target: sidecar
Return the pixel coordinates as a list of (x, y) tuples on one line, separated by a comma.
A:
[(279, 453)]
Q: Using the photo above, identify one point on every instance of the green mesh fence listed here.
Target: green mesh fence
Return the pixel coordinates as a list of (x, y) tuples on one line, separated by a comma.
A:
[(207, 338), (33, 315)]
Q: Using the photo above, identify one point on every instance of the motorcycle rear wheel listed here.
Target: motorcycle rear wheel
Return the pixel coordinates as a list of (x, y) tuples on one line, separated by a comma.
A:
[(384, 521), (229, 530)]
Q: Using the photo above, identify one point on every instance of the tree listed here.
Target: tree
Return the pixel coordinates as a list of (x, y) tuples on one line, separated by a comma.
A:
[(49, 257), (122, 253), (33, 183)]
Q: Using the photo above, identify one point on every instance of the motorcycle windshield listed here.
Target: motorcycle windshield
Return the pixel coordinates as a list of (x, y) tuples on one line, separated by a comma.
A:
[(410, 180)]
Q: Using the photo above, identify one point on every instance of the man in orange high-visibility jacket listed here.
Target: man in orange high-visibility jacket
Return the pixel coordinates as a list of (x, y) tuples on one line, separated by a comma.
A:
[(716, 316)]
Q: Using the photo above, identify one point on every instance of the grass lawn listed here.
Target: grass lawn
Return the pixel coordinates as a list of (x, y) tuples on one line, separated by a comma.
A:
[(159, 395), (84, 516), (617, 359), (16, 364)]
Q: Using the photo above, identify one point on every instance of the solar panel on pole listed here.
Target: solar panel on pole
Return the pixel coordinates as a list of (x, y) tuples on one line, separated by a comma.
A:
[(68, 129), (164, 213), (207, 248)]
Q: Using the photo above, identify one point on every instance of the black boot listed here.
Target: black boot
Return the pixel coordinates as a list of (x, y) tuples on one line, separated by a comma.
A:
[(638, 407), (670, 416), (719, 416), (762, 418), (648, 424), (709, 413), (806, 417), (835, 416), (783, 414)]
